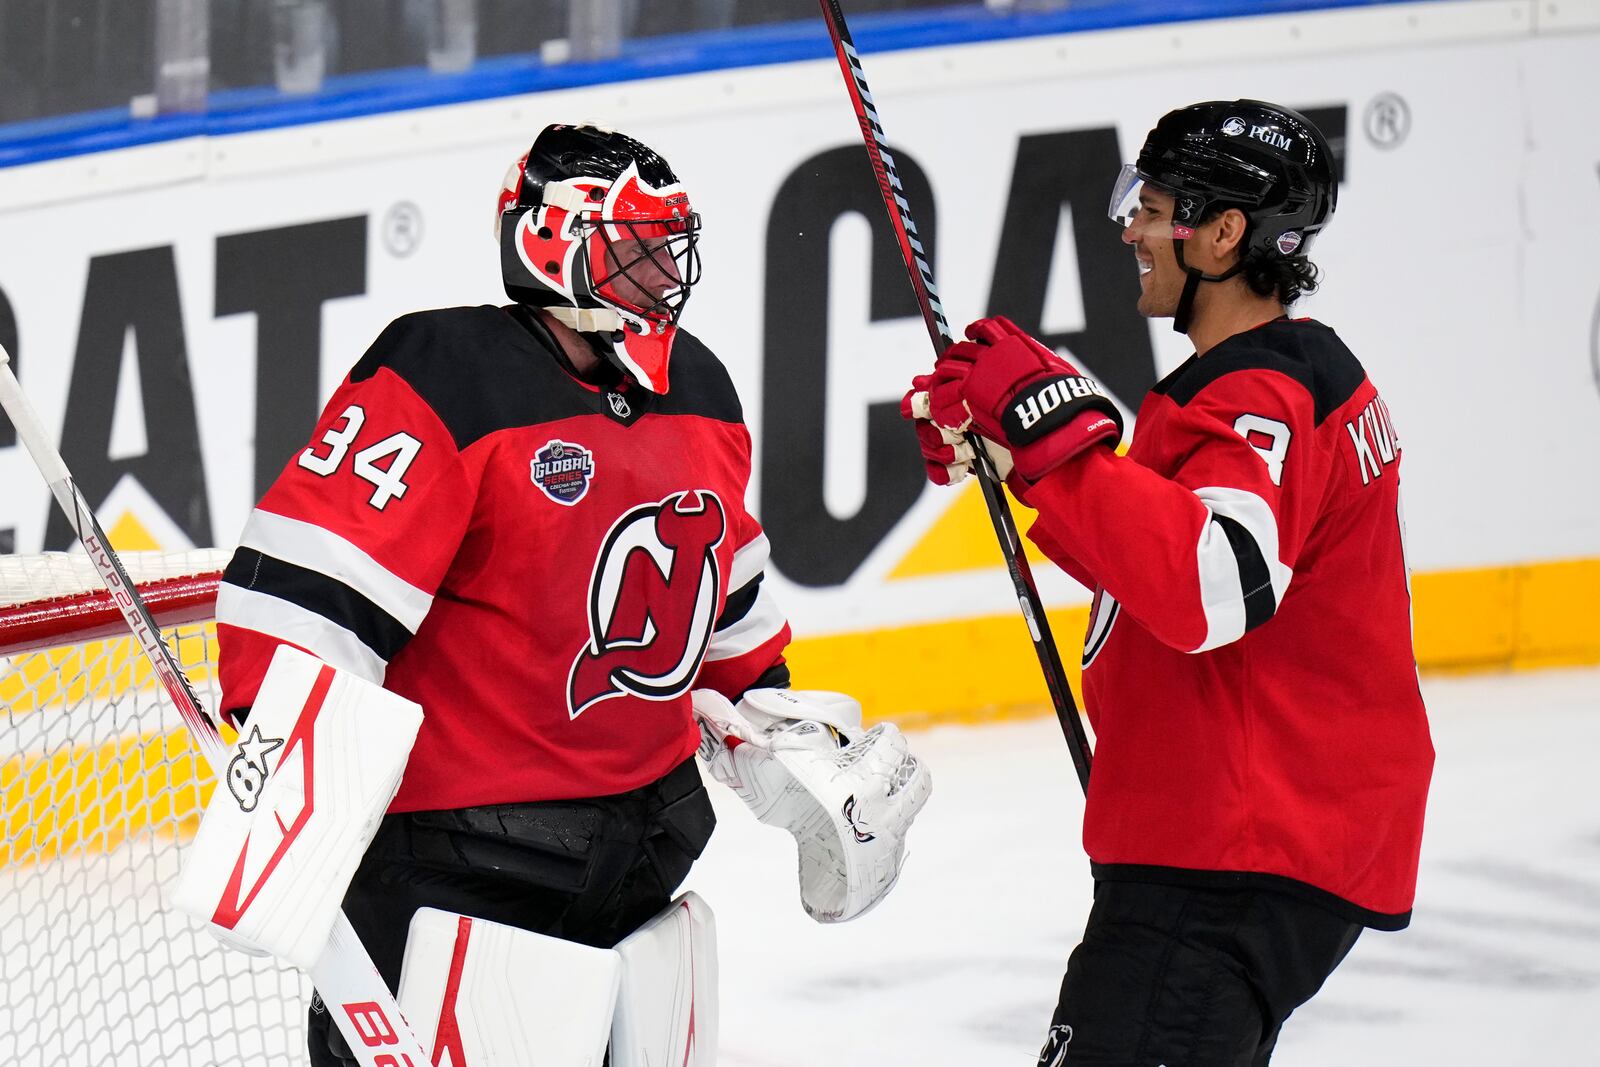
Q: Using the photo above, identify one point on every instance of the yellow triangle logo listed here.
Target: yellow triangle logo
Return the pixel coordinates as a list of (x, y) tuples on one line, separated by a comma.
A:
[(128, 534)]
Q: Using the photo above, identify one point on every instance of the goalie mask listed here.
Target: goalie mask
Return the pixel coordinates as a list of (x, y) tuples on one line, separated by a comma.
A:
[(594, 227)]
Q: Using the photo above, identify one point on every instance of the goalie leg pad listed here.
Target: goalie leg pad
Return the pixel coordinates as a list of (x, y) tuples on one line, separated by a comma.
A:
[(667, 1007), (481, 993), (297, 804)]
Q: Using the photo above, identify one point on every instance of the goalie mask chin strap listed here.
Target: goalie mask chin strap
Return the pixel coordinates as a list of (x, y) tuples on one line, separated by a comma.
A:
[(588, 320), (1181, 317)]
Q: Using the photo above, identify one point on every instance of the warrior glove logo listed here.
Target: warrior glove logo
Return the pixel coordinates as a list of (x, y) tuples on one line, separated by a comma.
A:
[(653, 600), (247, 770), (1050, 403)]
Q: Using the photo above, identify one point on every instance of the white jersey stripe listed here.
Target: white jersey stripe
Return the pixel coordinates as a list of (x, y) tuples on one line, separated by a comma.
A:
[(266, 614), (760, 624), (748, 562), (310, 546), (1221, 589)]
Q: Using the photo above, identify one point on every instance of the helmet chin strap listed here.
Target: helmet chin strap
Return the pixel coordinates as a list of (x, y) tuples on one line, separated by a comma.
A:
[(1181, 317)]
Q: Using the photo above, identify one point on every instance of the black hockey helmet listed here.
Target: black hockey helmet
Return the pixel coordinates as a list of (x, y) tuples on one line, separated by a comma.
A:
[(595, 226), (1268, 161)]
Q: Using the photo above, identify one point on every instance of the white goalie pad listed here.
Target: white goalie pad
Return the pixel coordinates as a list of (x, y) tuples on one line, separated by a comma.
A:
[(801, 761), (667, 1007), (482, 994), (296, 806)]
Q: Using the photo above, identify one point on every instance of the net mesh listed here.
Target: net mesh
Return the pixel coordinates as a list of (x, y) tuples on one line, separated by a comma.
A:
[(100, 794)]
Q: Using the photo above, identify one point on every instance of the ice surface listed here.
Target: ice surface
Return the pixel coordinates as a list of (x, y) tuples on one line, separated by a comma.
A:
[(962, 963)]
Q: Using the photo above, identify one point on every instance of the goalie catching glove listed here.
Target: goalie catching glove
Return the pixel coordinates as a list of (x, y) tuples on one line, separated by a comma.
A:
[(802, 761)]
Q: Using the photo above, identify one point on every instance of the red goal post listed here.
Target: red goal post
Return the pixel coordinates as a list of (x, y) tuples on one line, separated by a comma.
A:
[(100, 792)]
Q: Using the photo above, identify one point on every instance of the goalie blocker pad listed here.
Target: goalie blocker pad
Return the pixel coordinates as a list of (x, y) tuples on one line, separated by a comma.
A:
[(482, 994), (310, 775)]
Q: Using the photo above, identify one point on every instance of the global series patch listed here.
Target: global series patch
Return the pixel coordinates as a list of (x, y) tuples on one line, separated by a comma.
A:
[(563, 470)]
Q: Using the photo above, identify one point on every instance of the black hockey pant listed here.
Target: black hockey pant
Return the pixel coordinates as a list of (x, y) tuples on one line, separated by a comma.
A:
[(590, 871), (1184, 976)]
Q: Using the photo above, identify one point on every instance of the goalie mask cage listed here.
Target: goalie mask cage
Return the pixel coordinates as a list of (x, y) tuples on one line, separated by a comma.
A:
[(100, 794)]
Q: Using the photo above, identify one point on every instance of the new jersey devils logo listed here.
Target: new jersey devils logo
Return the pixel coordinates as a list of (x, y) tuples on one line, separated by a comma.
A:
[(652, 602)]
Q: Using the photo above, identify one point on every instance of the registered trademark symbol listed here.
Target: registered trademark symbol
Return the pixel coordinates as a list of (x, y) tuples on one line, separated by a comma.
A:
[(402, 229), (1387, 121)]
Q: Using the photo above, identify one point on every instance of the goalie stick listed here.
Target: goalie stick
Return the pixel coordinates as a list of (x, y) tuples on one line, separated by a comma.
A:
[(361, 1004), (921, 275)]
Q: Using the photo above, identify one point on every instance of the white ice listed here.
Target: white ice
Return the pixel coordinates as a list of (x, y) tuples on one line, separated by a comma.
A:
[(962, 963)]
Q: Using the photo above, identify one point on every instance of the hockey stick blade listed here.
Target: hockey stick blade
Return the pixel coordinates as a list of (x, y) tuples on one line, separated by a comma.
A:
[(364, 1009), (915, 258)]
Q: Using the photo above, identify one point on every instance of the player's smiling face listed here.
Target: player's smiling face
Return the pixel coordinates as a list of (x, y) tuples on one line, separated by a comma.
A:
[(1149, 233)]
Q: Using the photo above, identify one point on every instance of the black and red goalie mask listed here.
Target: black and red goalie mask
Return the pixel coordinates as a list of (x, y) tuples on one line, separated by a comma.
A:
[(585, 233)]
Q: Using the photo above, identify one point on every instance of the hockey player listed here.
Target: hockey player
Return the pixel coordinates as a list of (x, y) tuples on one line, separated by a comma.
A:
[(530, 521), (1263, 754)]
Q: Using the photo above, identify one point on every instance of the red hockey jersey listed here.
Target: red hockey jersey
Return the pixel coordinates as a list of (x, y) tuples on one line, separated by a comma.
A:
[(545, 565), (1248, 668)]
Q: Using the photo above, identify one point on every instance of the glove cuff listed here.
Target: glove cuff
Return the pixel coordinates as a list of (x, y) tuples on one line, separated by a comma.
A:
[(1047, 404), (1090, 426)]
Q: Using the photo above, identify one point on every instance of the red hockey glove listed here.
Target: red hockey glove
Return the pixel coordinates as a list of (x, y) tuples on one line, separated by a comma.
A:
[(1014, 391), (946, 453)]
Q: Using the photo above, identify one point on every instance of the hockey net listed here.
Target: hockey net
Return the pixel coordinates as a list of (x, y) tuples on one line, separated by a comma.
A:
[(100, 794)]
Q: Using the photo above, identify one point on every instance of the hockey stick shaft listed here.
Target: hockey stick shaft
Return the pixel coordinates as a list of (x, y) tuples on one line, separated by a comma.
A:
[(344, 973), (921, 275), (122, 589)]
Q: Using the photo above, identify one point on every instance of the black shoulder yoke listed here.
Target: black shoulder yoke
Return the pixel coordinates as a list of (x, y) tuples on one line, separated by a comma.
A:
[(482, 371), (1302, 349)]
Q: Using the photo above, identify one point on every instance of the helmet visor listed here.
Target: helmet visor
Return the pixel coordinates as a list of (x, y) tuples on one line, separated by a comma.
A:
[(1137, 202), (1124, 205)]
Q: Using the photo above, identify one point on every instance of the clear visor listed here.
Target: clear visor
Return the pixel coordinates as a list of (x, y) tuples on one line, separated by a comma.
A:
[(1135, 202), (1124, 206)]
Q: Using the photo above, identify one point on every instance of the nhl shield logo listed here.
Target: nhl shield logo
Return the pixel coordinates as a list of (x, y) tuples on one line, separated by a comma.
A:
[(1288, 242), (563, 470)]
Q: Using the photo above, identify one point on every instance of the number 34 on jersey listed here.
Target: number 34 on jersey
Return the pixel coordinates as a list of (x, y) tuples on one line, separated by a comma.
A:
[(383, 464)]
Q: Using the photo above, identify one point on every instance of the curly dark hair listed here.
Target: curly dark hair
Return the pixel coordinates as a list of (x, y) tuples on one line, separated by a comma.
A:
[(1290, 277)]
